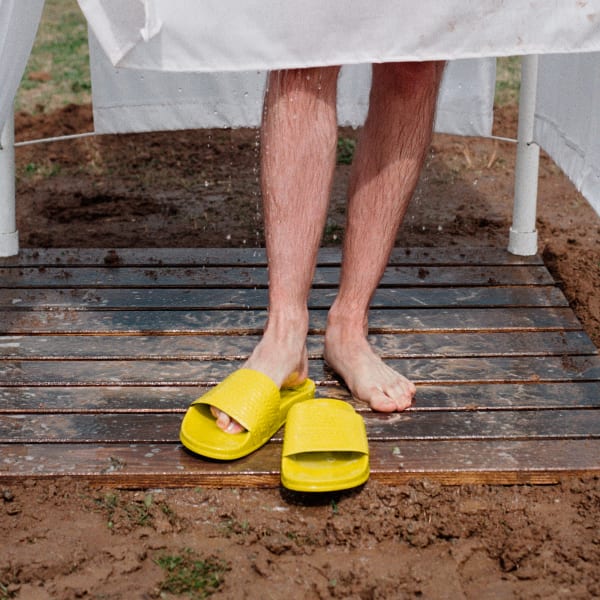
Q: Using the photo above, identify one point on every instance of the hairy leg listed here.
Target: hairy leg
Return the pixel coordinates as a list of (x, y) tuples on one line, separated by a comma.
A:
[(298, 150), (387, 165)]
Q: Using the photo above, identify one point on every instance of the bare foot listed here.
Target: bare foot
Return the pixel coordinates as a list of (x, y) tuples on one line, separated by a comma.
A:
[(366, 375), (283, 358)]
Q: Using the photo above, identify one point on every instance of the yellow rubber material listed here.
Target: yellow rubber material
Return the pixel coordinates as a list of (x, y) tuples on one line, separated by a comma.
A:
[(250, 398), (325, 447)]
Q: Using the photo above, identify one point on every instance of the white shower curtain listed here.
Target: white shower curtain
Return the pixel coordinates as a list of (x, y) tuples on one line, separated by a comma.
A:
[(246, 35), (567, 120), (128, 100), (19, 21)]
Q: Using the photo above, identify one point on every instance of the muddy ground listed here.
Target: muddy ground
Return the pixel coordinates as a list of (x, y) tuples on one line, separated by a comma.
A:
[(62, 539)]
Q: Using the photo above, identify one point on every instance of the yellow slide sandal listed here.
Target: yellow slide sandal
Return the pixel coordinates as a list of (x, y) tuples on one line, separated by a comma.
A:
[(325, 447), (254, 401)]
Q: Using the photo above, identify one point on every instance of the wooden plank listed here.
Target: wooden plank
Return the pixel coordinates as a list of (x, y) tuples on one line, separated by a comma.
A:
[(104, 428), (136, 465), (249, 277), (112, 399), (232, 347), (502, 462), (140, 399), (484, 425), (248, 256), (486, 344), (484, 396), (243, 299), (252, 321), (535, 369), (168, 465)]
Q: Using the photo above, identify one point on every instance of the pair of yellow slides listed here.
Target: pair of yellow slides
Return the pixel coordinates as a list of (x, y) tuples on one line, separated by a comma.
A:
[(324, 446)]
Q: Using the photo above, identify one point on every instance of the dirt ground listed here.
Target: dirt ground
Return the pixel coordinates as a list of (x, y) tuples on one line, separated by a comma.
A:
[(62, 539)]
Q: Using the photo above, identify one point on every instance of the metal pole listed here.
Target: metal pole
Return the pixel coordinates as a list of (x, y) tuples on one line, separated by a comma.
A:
[(9, 236), (523, 234)]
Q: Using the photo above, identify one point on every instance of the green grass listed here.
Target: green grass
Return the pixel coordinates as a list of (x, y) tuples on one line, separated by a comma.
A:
[(4, 593), (187, 574), (345, 151), (508, 80), (133, 513), (58, 71)]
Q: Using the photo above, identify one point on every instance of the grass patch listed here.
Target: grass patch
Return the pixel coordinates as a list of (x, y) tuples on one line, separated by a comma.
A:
[(345, 151), (508, 80), (8, 590), (58, 71), (188, 574), (126, 514), (4, 593), (333, 233), (34, 171)]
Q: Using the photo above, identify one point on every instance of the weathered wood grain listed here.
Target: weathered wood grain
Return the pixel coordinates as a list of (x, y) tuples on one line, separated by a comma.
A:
[(248, 256), (249, 277), (494, 462), (533, 369), (242, 299), (102, 428), (140, 399), (238, 347), (222, 322), (168, 465)]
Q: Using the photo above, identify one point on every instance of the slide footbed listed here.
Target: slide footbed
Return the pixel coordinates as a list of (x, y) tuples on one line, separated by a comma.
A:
[(325, 447)]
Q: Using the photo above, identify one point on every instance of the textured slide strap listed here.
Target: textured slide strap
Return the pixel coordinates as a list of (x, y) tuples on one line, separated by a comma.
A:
[(322, 425), (249, 397)]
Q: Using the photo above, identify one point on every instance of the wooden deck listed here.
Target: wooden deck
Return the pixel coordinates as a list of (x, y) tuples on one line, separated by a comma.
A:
[(102, 351)]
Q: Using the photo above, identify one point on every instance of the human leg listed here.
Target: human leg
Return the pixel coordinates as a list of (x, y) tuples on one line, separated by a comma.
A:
[(298, 149), (386, 169)]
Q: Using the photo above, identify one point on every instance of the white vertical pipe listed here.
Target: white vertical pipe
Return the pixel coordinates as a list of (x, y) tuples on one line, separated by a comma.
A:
[(9, 236), (523, 234)]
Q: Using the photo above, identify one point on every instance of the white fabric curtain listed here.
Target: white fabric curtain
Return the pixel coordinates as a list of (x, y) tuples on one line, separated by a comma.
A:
[(247, 35), (127, 100), (19, 20), (567, 120)]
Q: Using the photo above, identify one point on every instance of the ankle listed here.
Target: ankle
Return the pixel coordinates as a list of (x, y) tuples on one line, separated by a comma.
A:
[(288, 325), (346, 324), (280, 357)]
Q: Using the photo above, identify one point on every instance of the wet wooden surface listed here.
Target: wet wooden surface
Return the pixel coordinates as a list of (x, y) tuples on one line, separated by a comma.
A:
[(101, 352)]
